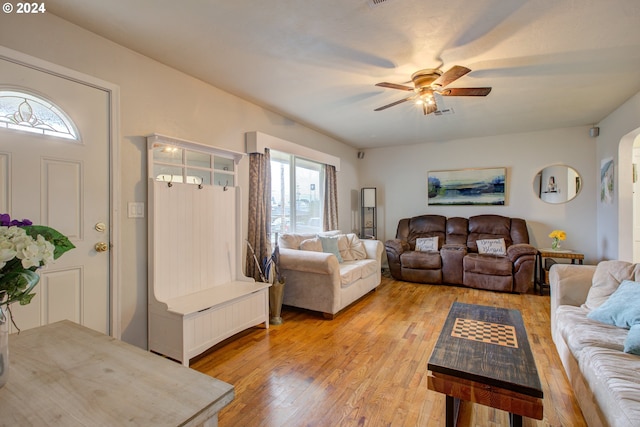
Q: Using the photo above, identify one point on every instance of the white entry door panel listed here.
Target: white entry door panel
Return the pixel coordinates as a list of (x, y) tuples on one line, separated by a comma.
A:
[(62, 183)]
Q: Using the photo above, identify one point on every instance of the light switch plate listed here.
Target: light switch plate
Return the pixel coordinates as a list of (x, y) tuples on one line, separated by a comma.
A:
[(135, 210)]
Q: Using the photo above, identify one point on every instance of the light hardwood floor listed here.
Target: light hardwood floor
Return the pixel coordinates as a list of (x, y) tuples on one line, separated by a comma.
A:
[(368, 366)]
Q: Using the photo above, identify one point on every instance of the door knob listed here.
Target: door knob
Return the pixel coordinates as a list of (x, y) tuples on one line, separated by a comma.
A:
[(101, 247)]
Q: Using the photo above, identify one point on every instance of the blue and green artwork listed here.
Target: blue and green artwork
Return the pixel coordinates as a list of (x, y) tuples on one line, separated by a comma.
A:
[(466, 187)]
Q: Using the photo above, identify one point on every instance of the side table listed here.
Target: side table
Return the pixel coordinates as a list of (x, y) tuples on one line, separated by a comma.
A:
[(541, 280)]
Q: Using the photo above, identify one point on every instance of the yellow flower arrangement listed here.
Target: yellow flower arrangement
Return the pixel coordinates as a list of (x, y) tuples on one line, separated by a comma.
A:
[(556, 236)]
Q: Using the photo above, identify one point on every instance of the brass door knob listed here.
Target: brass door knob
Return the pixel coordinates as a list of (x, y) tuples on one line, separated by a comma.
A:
[(101, 247)]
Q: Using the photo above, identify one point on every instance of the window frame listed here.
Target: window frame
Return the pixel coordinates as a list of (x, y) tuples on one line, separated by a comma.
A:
[(294, 163)]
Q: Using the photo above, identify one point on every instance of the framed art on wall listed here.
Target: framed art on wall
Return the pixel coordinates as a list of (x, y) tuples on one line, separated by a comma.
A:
[(467, 187)]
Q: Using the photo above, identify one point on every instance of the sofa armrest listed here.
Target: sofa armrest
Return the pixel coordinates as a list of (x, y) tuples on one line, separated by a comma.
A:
[(396, 246), (570, 284), (520, 249), (374, 249), (309, 261)]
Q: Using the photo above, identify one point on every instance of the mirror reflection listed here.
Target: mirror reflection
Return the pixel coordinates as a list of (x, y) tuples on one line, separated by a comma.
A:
[(557, 184)]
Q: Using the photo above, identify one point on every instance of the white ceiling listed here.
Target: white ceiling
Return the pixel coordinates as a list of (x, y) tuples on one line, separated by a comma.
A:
[(551, 63)]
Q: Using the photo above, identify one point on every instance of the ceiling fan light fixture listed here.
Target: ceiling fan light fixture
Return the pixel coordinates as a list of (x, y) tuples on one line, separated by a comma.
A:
[(429, 81)]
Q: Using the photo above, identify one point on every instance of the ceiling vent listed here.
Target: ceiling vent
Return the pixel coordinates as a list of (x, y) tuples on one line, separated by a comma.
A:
[(444, 112), (376, 3)]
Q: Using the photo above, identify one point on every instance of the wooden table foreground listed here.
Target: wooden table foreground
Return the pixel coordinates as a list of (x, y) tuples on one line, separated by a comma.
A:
[(64, 374), (483, 355)]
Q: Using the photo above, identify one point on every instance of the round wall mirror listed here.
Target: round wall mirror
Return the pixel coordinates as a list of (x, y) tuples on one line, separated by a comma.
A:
[(557, 184)]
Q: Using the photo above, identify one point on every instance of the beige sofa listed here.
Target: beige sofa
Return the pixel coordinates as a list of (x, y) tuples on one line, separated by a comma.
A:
[(316, 280), (605, 379)]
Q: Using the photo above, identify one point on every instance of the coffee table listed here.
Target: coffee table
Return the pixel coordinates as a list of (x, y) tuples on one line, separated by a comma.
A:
[(483, 356)]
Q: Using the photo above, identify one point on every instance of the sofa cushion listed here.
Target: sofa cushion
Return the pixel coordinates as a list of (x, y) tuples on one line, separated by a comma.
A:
[(311, 245), (622, 308), (607, 278), (492, 247), (351, 271), (487, 264), (351, 247), (330, 246), (612, 376), (632, 343), (580, 332), (421, 260), (488, 227), (427, 244), (426, 226), (292, 241)]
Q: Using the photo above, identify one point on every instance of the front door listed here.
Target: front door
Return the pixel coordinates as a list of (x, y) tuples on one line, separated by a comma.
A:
[(56, 173)]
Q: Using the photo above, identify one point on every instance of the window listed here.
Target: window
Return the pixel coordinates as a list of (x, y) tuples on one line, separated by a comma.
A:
[(297, 194), (29, 113)]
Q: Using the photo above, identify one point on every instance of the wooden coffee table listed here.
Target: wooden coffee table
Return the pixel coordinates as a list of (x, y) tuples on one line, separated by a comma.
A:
[(482, 355)]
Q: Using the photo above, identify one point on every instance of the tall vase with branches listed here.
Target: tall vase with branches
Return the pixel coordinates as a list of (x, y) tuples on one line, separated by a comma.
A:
[(270, 272), (277, 280)]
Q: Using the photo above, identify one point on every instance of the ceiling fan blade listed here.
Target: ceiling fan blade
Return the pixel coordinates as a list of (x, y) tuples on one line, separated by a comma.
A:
[(394, 86), (393, 104), (466, 91), (450, 76)]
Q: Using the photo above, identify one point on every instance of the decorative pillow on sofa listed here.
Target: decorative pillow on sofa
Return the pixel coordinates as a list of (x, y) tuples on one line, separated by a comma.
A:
[(632, 343), (427, 244), (622, 308), (330, 245), (314, 245), (492, 247), (607, 278), (351, 247)]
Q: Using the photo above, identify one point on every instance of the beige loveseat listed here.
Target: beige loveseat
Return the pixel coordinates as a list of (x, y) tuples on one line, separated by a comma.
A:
[(316, 280), (605, 379)]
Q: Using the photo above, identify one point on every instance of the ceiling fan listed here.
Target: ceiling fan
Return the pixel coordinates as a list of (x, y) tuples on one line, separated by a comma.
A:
[(431, 81)]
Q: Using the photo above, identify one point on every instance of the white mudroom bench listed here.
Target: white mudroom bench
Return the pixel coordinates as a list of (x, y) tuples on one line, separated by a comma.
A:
[(198, 295)]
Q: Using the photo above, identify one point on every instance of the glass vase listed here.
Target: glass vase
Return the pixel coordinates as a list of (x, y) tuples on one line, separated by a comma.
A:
[(4, 345), (555, 244)]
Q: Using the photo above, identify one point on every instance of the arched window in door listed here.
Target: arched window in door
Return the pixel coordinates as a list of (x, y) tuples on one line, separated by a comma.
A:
[(27, 112)]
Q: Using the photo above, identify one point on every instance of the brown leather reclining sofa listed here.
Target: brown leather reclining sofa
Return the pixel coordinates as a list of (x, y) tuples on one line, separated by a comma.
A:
[(457, 260)]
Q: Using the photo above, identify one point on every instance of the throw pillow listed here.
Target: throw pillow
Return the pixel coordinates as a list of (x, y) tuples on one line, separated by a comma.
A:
[(492, 247), (351, 247), (330, 245), (632, 343), (311, 245), (607, 278), (621, 308), (427, 244)]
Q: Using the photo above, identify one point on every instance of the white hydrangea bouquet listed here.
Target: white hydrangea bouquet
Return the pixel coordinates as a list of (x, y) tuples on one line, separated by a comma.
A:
[(24, 248)]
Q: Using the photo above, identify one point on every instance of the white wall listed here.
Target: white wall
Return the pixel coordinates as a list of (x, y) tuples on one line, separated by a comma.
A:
[(400, 174), (158, 99), (615, 224)]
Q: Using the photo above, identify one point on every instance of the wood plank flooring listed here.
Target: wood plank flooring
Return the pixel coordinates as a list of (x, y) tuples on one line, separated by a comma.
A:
[(368, 366)]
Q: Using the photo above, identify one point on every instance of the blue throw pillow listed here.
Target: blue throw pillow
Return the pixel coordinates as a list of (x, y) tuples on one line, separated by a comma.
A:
[(330, 245), (622, 308), (632, 343)]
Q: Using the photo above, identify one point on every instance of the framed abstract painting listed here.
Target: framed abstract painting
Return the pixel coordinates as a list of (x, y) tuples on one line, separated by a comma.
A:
[(467, 187)]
